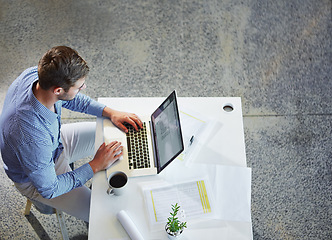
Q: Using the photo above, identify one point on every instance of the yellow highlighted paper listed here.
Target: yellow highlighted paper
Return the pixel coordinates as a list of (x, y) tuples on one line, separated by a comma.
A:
[(193, 198), (204, 197)]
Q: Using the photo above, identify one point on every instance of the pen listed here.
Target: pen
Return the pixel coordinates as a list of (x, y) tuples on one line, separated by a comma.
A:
[(191, 140)]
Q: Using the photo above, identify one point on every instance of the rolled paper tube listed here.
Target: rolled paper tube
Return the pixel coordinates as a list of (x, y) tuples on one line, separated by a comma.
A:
[(129, 226)]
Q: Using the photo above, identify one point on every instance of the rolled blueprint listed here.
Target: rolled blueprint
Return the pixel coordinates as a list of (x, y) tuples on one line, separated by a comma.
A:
[(129, 225)]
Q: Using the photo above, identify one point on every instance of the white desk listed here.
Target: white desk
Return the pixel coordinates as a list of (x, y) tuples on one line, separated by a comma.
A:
[(228, 142)]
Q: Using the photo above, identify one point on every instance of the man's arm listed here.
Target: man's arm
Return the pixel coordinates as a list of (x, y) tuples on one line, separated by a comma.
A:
[(37, 162), (84, 104), (119, 118)]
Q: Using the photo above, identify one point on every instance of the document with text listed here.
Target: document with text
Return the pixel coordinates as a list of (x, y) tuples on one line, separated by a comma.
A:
[(194, 198)]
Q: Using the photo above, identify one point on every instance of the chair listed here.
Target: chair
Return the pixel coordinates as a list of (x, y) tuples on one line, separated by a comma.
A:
[(45, 209)]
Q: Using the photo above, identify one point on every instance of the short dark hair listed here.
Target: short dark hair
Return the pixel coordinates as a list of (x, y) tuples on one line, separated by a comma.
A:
[(61, 66)]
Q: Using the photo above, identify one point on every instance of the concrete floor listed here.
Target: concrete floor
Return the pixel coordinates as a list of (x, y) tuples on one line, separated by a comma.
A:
[(275, 55)]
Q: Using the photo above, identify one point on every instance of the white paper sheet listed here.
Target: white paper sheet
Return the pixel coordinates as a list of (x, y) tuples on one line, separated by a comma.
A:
[(235, 183), (197, 131), (194, 198), (193, 125), (230, 185)]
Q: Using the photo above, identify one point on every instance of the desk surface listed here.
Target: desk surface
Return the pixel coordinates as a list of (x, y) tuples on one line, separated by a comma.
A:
[(228, 142)]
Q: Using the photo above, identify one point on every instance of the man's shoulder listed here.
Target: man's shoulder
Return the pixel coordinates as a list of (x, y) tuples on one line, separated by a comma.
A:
[(25, 132), (29, 75), (30, 71), (19, 89)]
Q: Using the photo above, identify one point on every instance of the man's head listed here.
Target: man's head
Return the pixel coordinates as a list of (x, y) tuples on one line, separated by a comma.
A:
[(61, 67)]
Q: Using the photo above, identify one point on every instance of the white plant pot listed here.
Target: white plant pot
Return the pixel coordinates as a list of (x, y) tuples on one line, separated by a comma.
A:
[(171, 235)]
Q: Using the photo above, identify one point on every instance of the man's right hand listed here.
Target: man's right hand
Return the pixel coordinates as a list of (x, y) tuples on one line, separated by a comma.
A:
[(106, 155)]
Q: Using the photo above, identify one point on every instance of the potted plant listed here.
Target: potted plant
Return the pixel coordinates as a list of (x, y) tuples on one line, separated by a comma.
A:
[(174, 227)]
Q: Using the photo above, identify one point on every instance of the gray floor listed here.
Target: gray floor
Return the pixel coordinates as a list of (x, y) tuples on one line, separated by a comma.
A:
[(276, 55)]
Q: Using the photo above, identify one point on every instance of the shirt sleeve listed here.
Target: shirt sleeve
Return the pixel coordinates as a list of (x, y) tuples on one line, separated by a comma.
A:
[(68, 181), (84, 104), (38, 165)]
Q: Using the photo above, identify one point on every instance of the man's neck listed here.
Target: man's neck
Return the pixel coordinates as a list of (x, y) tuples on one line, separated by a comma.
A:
[(45, 97)]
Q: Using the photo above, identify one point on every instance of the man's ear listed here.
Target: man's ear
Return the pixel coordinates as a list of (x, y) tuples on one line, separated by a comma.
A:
[(58, 90)]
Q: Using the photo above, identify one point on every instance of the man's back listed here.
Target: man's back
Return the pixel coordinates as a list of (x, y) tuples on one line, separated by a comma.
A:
[(26, 125)]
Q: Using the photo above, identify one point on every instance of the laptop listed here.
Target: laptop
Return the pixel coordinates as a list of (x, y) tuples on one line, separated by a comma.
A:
[(150, 149)]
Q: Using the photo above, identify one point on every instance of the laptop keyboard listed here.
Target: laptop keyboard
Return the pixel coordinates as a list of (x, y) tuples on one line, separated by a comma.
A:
[(138, 151)]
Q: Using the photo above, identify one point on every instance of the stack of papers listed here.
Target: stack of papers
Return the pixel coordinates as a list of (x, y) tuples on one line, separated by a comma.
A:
[(194, 198), (211, 194)]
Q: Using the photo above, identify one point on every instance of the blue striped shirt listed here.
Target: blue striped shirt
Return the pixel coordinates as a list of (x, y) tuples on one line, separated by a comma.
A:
[(30, 138)]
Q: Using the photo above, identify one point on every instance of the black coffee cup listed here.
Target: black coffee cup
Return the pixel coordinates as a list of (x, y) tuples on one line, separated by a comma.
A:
[(116, 183)]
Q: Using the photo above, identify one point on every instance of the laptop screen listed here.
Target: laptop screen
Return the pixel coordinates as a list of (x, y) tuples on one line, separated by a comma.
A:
[(167, 132)]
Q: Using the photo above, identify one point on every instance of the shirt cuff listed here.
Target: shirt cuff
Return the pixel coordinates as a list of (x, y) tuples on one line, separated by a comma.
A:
[(84, 173)]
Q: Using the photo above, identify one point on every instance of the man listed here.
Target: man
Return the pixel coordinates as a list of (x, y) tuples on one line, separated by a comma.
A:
[(37, 151)]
